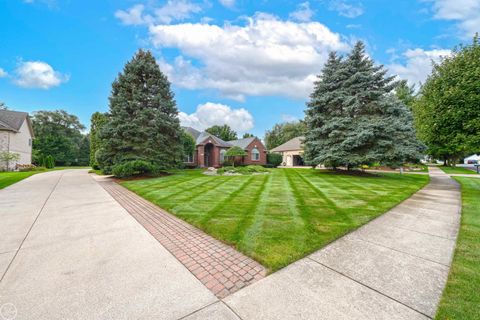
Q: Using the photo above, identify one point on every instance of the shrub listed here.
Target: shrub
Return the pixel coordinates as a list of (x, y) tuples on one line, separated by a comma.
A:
[(243, 170), (48, 162), (274, 159), (134, 168)]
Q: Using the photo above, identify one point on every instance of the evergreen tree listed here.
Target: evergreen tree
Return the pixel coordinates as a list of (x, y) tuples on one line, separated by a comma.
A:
[(405, 93), (223, 132), (143, 119), (97, 122), (353, 117)]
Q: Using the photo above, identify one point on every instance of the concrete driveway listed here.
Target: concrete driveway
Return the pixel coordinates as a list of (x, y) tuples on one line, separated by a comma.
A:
[(69, 251)]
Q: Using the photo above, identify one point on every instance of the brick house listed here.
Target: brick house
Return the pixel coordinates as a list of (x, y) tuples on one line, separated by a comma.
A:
[(210, 150)]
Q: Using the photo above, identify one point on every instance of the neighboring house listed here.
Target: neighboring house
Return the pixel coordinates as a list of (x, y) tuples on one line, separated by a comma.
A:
[(210, 150), (16, 134), (291, 151), (473, 159)]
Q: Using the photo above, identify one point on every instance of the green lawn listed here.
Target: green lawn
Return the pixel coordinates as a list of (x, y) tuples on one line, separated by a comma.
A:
[(279, 217), (9, 178), (461, 298), (456, 170)]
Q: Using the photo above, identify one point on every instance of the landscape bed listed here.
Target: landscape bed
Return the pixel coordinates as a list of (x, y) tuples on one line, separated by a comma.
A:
[(461, 298), (279, 217)]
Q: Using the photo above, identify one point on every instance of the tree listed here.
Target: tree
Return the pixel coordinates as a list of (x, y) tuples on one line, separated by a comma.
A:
[(6, 158), (247, 135), (143, 118), (97, 121), (188, 144), (447, 113), (282, 132), (59, 134), (223, 132), (234, 152), (405, 93), (353, 117), (83, 158)]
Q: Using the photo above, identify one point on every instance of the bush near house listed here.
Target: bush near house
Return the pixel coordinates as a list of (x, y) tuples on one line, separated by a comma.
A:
[(133, 168), (274, 159), (243, 169)]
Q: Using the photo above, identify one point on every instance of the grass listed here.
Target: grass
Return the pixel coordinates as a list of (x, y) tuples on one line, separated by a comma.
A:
[(279, 217), (456, 170), (9, 178), (461, 298)]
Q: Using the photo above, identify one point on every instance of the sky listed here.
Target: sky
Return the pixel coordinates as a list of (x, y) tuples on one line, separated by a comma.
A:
[(248, 64)]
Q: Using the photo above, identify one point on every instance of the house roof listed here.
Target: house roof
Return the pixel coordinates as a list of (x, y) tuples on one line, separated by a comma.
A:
[(290, 145), (242, 143), (12, 120), (200, 137), (205, 135)]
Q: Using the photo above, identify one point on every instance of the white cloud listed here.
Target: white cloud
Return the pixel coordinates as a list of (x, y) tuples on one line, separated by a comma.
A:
[(227, 3), (172, 10), (132, 16), (346, 9), (418, 64), (303, 13), (267, 56), (3, 73), (210, 114), (38, 74), (465, 12)]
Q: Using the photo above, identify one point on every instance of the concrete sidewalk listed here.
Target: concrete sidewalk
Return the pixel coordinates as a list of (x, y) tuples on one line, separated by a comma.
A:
[(69, 251), (395, 267)]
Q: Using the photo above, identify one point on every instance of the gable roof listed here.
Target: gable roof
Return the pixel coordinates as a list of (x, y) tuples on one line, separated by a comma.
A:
[(292, 144), (205, 135), (200, 137), (12, 120), (242, 143)]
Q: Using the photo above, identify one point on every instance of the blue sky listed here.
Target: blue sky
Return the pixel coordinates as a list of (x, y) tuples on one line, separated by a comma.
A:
[(249, 64)]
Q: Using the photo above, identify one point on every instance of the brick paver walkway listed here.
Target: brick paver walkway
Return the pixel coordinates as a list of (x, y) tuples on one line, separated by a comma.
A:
[(218, 266)]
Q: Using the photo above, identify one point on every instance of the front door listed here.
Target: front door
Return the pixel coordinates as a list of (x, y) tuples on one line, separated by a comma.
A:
[(208, 155)]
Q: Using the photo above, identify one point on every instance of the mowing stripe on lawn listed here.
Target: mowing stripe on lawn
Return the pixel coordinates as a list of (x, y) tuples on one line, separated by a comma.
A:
[(250, 211), (162, 183), (201, 191), (255, 226), (214, 212), (183, 190)]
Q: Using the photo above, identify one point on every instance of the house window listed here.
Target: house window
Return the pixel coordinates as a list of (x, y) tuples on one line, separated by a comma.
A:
[(188, 158), (222, 155), (255, 154), (29, 142)]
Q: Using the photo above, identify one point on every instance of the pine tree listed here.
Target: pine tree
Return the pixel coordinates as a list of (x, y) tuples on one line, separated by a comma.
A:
[(325, 117), (143, 118), (354, 118)]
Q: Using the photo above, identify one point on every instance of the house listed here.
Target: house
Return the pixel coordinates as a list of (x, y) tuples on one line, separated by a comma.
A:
[(210, 150), (473, 159), (291, 151), (16, 134)]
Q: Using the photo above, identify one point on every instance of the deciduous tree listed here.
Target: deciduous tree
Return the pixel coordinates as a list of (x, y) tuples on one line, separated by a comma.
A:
[(223, 132), (282, 132), (447, 113)]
